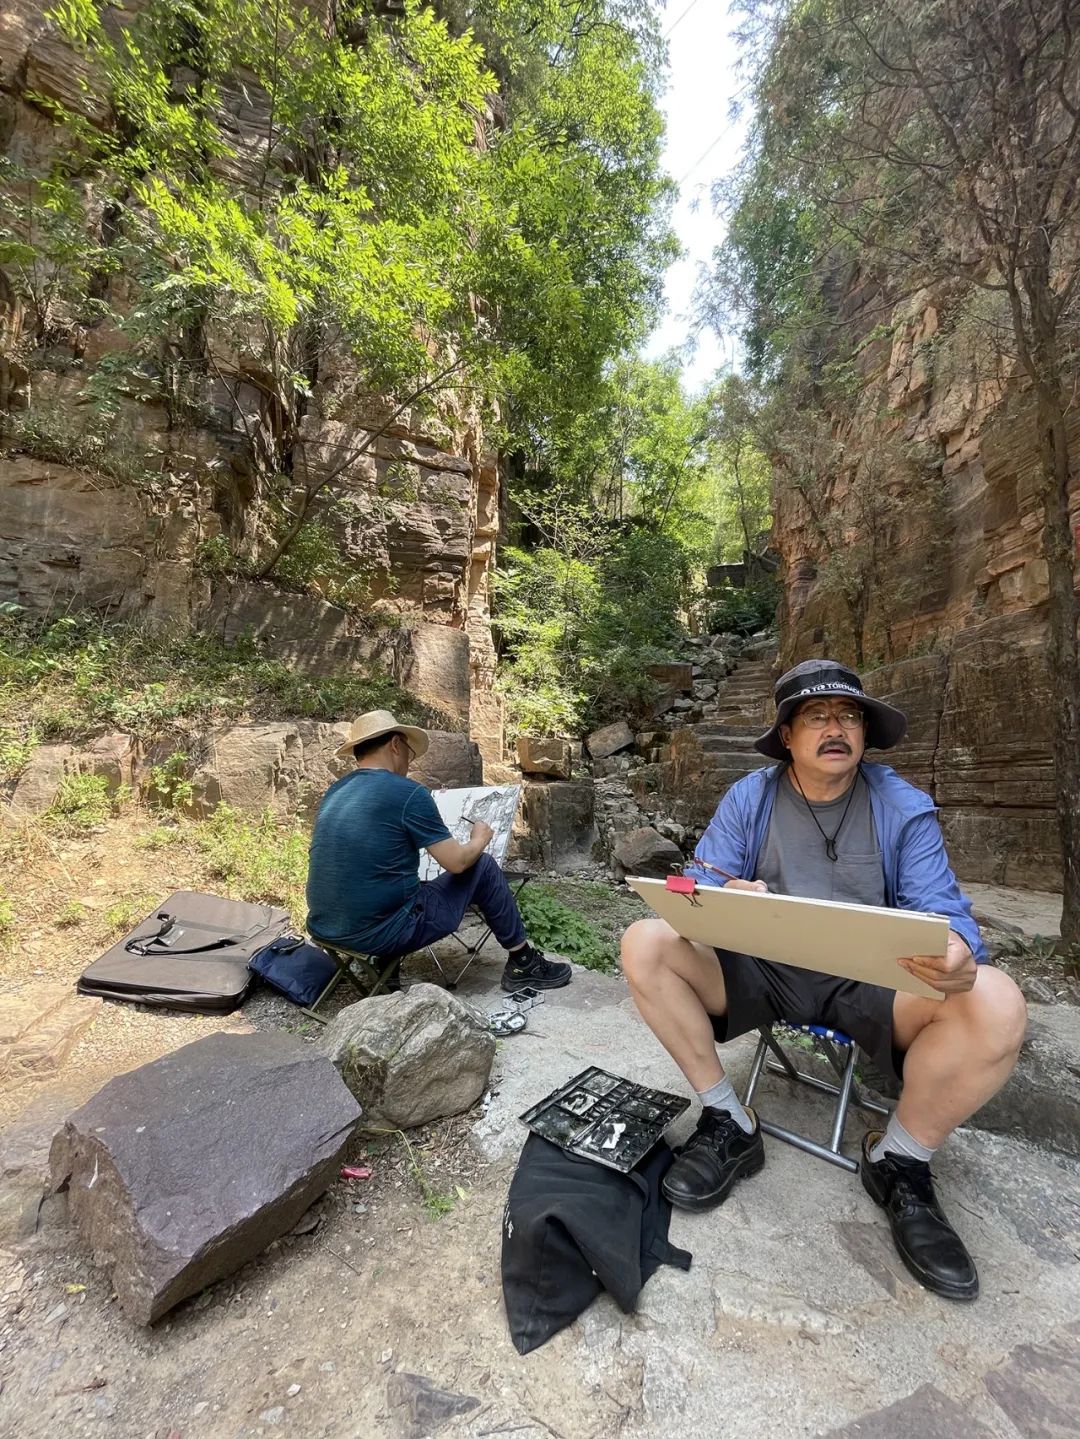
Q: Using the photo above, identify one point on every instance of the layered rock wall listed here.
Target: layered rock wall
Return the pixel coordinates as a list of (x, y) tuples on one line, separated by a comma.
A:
[(956, 626), (128, 524)]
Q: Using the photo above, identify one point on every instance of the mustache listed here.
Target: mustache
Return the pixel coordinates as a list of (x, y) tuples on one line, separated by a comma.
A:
[(829, 744)]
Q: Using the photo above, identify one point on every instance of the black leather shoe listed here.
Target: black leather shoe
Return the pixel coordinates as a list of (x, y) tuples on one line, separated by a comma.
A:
[(528, 969), (925, 1240), (717, 1154)]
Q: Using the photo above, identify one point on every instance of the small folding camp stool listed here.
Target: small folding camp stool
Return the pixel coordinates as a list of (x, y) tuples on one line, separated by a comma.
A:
[(472, 950), (840, 1050), (363, 969)]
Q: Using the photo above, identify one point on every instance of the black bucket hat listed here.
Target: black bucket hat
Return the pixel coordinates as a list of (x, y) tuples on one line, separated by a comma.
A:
[(817, 679)]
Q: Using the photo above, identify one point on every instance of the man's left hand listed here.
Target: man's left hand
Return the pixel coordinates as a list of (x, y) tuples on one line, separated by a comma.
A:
[(951, 973)]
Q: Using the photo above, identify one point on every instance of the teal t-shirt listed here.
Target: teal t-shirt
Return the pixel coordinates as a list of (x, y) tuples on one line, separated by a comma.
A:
[(365, 854)]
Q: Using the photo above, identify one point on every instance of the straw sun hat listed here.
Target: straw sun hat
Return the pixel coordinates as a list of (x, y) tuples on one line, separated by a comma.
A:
[(381, 722)]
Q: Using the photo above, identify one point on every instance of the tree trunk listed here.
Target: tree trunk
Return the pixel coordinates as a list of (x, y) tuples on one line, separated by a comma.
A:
[(1064, 615)]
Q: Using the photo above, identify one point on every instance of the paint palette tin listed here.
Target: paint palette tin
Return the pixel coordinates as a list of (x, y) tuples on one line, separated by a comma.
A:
[(606, 1118)]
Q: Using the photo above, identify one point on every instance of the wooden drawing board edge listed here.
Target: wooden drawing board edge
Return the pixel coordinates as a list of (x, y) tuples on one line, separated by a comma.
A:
[(887, 973)]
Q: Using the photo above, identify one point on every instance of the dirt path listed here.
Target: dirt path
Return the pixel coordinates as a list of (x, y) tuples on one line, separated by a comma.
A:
[(795, 1319)]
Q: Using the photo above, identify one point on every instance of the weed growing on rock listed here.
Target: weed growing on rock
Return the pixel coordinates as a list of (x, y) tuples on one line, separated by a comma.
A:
[(171, 781), (260, 859), (76, 676), (83, 801)]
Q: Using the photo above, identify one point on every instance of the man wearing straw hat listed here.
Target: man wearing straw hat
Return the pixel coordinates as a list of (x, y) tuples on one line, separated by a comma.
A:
[(824, 824), (363, 889)]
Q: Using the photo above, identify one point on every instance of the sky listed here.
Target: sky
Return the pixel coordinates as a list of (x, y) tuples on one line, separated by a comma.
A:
[(702, 145)]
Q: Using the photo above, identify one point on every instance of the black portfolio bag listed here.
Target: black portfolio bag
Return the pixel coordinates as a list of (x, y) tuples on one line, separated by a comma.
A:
[(192, 953)]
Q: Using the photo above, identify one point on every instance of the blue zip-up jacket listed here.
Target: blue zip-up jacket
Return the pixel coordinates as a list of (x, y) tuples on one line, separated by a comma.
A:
[(917, 872)]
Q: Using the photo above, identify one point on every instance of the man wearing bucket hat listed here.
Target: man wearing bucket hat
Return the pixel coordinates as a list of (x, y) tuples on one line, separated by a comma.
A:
[(363, 889), (825, 824)]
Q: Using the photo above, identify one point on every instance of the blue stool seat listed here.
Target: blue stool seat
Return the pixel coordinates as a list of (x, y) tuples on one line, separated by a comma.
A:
[(841, 1051)]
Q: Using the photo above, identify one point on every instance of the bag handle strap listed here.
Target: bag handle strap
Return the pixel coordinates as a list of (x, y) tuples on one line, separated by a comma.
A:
[(145, 944)]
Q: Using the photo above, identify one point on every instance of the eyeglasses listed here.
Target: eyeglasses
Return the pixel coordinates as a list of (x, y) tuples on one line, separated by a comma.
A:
[(852, 718)]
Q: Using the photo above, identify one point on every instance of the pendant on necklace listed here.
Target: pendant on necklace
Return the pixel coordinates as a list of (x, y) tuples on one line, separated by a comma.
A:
[(830, 849)]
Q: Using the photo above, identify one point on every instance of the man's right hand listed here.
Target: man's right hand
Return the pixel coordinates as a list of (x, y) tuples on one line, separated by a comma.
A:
[(758, 886), (482, 834)]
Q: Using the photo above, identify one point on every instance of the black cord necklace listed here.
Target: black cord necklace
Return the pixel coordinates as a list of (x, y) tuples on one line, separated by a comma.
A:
[(830, 840)]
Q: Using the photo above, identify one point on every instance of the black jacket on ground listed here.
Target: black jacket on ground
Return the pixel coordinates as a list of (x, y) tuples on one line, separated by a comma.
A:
[(571, 1228)]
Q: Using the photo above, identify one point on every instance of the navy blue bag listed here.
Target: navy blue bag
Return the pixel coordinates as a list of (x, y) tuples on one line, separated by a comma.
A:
[(301, 971)]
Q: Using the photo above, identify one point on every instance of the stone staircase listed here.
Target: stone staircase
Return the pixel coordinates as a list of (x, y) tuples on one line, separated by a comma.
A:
[(742, 699), (677, 787), (702, 759)]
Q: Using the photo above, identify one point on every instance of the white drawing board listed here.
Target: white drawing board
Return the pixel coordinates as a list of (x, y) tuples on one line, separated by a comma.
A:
[(496, 805), (853, 941)]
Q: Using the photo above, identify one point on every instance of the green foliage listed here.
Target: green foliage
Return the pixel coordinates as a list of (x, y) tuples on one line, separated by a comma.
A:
[(171, 781), (214, 557), (71, 915), (92, 443), (743, 611), (72, 677), (367, 221), (742, 489), (614, 537), (553, 925), (578, 631), (16, 747), (82, 801), (7, 918), (260, 859)]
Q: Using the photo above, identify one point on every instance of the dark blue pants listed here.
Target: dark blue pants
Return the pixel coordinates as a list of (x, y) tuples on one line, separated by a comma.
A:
[(441, 903)]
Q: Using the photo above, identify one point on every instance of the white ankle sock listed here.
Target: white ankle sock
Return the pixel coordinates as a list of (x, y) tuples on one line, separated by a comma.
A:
[(722, 1096), (896, 1140)]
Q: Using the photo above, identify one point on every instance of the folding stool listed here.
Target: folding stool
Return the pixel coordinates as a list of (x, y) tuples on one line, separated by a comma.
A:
[(840, 1051), (368, 972)]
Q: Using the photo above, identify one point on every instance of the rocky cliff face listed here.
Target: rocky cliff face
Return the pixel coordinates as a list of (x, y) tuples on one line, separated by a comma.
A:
[(955, 629), (124, 525)]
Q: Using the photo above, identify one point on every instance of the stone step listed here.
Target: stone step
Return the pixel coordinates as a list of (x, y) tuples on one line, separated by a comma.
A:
[(41, 1050), (739, 697), (731, 714), (705, 728), (727, 768), (728, 744), (22, 1011)]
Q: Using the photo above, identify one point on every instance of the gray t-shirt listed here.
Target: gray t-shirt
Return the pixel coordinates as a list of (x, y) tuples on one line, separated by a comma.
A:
[(793, 858)]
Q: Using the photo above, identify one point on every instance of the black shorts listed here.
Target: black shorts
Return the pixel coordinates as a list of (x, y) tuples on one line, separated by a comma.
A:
[(760, 993)]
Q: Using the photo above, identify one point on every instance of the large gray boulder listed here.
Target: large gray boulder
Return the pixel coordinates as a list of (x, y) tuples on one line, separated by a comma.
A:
[(646, 851), (181, 1171), (544, 756), (411, 1057), (603, 743)]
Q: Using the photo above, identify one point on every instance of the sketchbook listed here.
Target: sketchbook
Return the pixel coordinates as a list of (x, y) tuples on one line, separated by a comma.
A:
[(852, 941), (496, 805)]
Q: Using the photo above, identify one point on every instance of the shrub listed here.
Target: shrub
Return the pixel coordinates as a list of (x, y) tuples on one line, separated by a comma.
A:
[(82, 801), (744, 611), (555, 926), (259, 859), (70, 678)]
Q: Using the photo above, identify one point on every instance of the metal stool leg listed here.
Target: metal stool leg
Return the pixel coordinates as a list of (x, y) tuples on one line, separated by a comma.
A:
[(843, 1100), (842, 1092)]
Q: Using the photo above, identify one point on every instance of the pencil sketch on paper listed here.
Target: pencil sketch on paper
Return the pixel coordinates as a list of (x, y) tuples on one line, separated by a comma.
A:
[(496, 805)]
